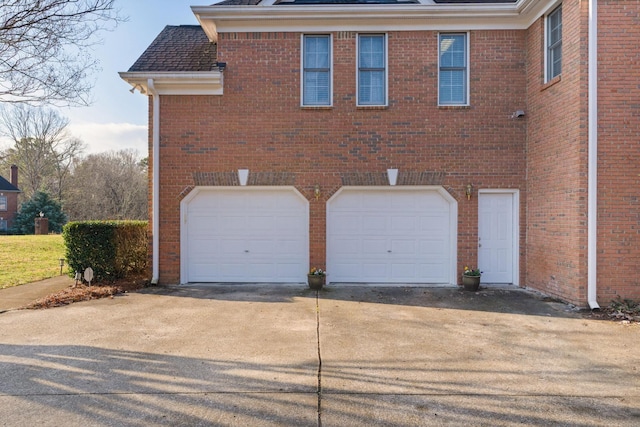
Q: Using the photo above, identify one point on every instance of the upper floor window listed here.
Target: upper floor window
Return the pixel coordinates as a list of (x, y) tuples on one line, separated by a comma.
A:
[(3, 203), (316, 66), (554, 43), (372, 69), (453, 75)]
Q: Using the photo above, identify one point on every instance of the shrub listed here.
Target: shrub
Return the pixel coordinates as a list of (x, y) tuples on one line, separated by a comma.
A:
[(113, 249)]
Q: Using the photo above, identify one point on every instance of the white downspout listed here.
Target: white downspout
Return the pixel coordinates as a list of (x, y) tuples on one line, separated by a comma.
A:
[(155, 196), (592, 208)]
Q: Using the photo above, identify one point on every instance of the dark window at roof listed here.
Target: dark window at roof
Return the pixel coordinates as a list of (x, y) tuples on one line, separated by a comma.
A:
[(178, 48)]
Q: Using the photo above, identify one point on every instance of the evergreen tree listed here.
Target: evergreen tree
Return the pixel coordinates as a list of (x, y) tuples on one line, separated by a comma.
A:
[(30, 210)]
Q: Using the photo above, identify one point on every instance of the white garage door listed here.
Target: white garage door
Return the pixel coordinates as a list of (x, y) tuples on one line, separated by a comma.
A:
[(245, 235), (391, 236)]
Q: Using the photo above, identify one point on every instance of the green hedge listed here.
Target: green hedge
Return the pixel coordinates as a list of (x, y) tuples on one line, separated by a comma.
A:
[(113, 249)]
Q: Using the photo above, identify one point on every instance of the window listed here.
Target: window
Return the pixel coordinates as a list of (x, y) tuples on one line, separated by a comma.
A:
[(554, 43), (316, 65), (3, 203), (372, 71), (452, 78), (3, 225)]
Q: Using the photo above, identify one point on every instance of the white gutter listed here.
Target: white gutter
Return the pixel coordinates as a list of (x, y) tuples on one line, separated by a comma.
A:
[(592, 207), (216, 19), (155, 203)]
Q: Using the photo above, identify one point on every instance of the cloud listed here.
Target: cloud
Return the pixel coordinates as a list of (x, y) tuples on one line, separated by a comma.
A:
[(101, 137)]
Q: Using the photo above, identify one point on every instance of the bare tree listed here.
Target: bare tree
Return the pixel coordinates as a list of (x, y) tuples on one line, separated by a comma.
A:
[(110, 185), (42, 148), (44, 55)]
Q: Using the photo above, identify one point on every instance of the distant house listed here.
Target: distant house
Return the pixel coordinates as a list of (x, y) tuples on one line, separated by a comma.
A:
[(397, 141), (8, 200)]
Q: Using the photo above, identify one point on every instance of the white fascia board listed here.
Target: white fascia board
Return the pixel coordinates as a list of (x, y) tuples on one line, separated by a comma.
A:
[(285, 18), (178, 83)]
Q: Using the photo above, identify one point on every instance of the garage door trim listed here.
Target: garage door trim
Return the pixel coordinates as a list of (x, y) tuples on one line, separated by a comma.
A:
[(184, 206), (453, 218)]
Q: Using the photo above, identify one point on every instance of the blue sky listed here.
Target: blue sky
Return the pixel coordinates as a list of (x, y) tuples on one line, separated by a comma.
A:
[(117, 119)]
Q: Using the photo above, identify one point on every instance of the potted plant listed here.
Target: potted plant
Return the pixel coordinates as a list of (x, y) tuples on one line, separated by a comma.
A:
[(316, 278), (471, 279)]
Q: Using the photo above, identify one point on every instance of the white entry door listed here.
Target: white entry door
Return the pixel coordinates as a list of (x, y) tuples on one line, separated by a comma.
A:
[(497, 236)]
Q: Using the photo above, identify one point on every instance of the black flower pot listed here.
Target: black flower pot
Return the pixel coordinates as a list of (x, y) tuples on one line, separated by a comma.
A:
[(315, 281), (471, 283)]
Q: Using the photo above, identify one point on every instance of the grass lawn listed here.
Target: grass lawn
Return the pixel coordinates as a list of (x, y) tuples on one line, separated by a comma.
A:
[(25, 259)]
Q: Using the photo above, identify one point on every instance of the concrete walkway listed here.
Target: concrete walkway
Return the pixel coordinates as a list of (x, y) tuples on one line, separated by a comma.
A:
[(345, 356), (19, 296)]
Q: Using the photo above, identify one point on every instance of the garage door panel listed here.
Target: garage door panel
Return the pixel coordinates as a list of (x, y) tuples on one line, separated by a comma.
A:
[(239, 235), (372, 223), (204, 269), (402, 201), (373, 270), (346, 269), (345, 224), (293, 223), (258, 223), (373, 201), (231, 271), (404, 247), (264, 269), (432, 271), (403, 224), (403, 271), (389, 236), (345, 247), (203, 224), (290, 247), (374, 246)]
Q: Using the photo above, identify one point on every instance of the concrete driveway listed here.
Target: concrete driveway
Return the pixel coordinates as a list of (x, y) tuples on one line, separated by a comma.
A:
[(347, 356)]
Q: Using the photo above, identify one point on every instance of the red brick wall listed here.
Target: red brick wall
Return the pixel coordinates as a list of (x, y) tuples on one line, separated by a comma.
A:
[(258, 124), (618, 149), (557, 163), (12, 208)]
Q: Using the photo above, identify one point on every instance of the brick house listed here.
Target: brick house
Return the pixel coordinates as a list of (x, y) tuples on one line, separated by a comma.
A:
[(9, 199), (398, 141)]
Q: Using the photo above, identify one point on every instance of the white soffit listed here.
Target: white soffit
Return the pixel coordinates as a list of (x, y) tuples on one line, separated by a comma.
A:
[(177, 83), (398, 17)]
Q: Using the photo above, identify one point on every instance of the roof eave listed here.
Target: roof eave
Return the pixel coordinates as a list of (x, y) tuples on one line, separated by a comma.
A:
[(176, 82), (215, 19)]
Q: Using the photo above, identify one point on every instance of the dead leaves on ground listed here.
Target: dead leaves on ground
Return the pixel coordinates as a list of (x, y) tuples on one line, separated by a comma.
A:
[(85, 293)]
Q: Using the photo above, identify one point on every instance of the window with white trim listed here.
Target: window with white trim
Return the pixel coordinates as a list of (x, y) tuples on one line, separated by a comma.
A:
[(453, 70), (554, 43), (316, 66), (3, 203), (372, 69), (3, 225)]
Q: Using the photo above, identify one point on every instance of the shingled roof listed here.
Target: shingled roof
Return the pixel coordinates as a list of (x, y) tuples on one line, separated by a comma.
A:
[(178, 48), (7, 186)]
